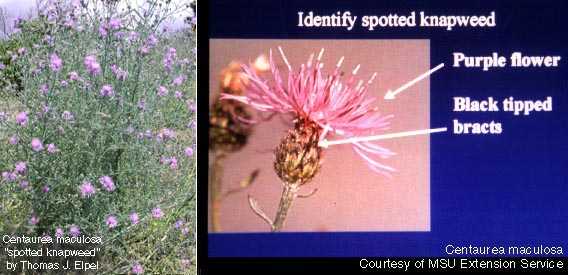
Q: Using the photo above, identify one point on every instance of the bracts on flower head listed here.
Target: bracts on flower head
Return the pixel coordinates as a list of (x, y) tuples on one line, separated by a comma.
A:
[(335, 107), (228, 120), (298, 157)]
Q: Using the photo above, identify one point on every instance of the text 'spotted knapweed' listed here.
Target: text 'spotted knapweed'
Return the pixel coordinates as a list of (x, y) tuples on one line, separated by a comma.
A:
[(321, 105)]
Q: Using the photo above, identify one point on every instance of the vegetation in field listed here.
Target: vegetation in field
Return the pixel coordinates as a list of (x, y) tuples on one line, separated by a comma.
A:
[(98, 132)]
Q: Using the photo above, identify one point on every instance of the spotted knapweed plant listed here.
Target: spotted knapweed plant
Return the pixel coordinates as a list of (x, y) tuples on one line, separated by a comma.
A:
[(99, 138), (321, 105)]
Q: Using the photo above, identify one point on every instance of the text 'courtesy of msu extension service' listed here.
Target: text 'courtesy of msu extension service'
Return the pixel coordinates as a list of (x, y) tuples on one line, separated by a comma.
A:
[(510, 104)]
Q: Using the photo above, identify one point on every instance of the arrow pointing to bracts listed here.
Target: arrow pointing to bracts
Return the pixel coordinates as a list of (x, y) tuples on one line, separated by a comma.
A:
[(391, 94), (325, 143)]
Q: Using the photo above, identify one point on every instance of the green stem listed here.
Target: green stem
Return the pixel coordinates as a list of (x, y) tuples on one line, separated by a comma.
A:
[(216, 189), (288, 195)]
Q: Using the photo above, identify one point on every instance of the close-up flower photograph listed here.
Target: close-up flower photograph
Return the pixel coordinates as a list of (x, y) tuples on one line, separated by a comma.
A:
[(288, 130)]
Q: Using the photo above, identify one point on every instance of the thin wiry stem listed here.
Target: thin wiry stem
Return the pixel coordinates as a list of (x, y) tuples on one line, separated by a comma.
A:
[(216, 189), (288, 196)]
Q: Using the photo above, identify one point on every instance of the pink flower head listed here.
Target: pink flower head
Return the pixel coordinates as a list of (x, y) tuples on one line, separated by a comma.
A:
[(36, 145), (107, 183), (337, 107), (21, 166), (74, 231), (55, 63), (34, 220), (66, 115), (58, 232), (133, 218), (86, 189), (51, 148), (157, 212), (93, 67), (107, 90), (111, 222), (137, 269), (115, 23), (162, 91), (22, 118)]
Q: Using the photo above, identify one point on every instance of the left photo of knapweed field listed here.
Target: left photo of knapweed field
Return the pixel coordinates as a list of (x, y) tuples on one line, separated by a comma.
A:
[(98, 136)]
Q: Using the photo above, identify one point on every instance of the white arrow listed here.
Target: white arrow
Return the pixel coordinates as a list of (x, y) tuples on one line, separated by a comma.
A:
[(391, 94), (325, 143)]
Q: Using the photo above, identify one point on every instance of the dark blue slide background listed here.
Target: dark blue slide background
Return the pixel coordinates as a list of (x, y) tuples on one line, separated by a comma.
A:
[(509, 189)]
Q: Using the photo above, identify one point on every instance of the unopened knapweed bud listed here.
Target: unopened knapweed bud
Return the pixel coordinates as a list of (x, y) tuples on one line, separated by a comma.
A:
[(298, 157)]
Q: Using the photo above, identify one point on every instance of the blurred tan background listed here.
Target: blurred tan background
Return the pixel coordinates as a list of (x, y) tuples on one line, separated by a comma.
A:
[(350, 197)]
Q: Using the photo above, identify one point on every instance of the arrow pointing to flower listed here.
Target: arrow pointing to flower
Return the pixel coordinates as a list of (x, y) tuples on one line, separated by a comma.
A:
[(325, 143), (391, 94)]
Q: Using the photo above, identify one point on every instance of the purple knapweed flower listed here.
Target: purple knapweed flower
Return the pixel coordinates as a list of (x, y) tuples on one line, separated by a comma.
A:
[(165, 27), (102, 30), (178, 224), (74, 231), (75, 76), (43, 89), (173, 163), (133, 218), (191, 106), (148, 134), (93, 67), (132, 36), (45, 189), (188, 151), (21, 166), (107, 183), (142, 105), (137, 269), (36, 145), (157, 212), (7, 176), (87, 189), (58, 232), (178, 94), (55, 63), (143, 49), (22, 118), (184, 230), (179, 80), (107, 90), (34, 220), (18, 20), (14, 140), (162, 91), (51, 148), (185, 262), (152, 40), (336, 107), (111, 222), (24, 184), (66, 115), (119, 72), (169, 133), (115, 23)]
